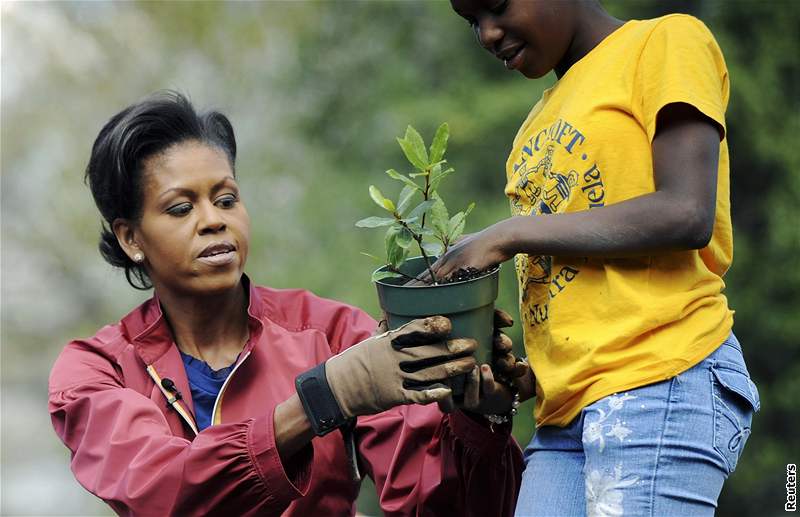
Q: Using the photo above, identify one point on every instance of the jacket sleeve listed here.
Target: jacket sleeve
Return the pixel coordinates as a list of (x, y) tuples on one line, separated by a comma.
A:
[(124, 452), (427, 463)]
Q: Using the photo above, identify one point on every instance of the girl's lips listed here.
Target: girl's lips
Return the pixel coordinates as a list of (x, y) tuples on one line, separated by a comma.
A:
[(514, 61), (219, 259)]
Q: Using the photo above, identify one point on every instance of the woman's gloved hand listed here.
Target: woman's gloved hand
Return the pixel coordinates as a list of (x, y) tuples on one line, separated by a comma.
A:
[(402, 366)]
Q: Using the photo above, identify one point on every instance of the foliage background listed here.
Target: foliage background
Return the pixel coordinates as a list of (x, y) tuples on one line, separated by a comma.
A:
[(317, 91)]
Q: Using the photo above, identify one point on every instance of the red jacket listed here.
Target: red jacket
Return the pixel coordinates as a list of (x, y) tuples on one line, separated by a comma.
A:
[(143, 457)]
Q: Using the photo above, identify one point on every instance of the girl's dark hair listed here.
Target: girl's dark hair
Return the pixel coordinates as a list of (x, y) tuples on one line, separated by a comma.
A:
[(133, 135)]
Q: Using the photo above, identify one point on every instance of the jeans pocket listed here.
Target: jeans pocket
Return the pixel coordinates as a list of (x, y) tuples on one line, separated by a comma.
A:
[(735, 399)]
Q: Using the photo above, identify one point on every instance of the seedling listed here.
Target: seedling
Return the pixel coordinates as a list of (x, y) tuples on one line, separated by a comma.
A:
[(407, 217)]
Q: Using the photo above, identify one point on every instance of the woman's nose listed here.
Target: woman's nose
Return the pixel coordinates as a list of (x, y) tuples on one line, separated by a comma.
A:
[(211, 220)]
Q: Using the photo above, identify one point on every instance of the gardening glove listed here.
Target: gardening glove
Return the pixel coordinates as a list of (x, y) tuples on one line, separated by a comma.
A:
[(402, 366)]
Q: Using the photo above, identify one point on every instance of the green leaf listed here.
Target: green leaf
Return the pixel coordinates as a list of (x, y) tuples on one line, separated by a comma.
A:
[(440, 219), (422, 208), (404, 201), (404, 238), (419, 230), (370, 255), (405, 179), (395, 253), (439, 144), (381, 201), (380, 275), (418, 174), (456, 223), (416, 147), (469, 209), (433, 248), (439, 177), (456, 226), (375, 222)]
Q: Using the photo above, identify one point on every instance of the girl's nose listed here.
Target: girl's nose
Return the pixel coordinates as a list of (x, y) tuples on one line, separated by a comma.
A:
[(488, 33)]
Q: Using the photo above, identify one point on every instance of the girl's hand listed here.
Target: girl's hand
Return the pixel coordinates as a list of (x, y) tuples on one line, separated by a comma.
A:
[(507, 367), (484, 395), (480, 250), (486, 390)]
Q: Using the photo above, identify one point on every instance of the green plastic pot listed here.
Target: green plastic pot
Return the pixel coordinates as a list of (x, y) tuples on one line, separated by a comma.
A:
[(468, 304)]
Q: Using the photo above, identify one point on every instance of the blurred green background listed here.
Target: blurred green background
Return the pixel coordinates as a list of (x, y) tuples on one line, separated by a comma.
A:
[(317, 91)]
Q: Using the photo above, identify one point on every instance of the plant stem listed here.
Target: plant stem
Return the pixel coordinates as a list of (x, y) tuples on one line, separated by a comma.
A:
[(425, 196), (418, 238), (427, 259)]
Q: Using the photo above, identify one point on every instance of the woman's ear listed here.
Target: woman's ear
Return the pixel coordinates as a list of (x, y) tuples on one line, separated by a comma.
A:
[(126, 236)]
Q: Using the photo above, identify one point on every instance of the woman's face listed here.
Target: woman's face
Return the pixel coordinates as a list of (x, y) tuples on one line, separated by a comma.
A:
[(531, 36), (194, 230)]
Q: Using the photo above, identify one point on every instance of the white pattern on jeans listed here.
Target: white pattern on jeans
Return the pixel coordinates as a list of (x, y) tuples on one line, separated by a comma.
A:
[(603, 494), (594, 430)]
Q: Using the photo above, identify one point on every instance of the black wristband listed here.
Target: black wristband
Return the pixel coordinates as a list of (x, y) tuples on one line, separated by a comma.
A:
[(318, 401)]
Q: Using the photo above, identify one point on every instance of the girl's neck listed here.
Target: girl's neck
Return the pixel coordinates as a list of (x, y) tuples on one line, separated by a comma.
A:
[(211, 328), (592, 26)]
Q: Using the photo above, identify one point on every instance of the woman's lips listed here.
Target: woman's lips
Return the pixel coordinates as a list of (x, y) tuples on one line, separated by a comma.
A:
[(219, 259)]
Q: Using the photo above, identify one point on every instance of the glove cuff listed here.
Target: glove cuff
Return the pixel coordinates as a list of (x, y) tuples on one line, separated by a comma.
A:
[(320, 405)]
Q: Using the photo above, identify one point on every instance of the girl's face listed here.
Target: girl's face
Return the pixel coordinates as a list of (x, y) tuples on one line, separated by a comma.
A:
[(194, 231), (531, 36)]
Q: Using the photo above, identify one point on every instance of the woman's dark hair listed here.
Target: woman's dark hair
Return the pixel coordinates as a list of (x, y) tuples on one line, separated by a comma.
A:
[(133, 135)]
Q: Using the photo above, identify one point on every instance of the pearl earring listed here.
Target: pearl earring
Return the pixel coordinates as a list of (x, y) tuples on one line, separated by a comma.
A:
[(138, 257)]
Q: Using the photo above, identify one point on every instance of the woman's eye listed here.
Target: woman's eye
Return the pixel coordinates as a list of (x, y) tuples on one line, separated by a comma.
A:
[(180, 209), (227, 201)]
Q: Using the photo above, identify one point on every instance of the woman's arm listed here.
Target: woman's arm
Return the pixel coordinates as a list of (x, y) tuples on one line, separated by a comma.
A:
[(292, 428), (125, 453), (679, 215)]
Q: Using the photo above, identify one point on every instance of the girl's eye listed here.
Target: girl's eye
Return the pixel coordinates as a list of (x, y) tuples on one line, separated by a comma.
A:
[(227, 201), (180, 209), (500, 7)]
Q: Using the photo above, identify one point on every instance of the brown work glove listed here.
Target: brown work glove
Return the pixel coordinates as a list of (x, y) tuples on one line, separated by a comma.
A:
[(402, 366)]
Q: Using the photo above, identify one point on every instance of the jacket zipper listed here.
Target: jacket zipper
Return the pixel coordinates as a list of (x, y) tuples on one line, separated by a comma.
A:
[(172, 400), (216, 416)]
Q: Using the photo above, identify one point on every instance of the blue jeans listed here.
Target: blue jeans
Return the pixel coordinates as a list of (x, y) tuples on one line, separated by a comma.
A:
[(660, 450)]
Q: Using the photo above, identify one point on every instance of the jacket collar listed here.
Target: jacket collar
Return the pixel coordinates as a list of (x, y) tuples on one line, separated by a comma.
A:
[(151, 336)]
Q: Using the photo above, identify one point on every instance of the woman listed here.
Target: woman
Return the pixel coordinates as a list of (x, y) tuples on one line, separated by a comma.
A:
[(618, 182), (219, 396)]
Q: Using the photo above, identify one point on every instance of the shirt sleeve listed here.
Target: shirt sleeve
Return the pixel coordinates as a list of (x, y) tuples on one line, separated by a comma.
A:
[(124, 452), (681, 62), (427, 463)]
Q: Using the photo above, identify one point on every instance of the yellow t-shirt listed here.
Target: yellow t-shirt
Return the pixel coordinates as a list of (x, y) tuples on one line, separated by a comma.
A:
[(592, 326)]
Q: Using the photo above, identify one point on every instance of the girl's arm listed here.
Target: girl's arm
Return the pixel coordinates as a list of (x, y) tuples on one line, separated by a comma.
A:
[(679, 215)]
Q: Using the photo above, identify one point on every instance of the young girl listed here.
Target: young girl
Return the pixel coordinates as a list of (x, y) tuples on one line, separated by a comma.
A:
[(220, 397), (621, 232)]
